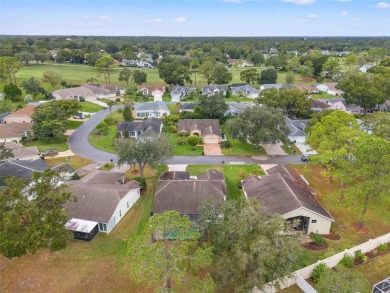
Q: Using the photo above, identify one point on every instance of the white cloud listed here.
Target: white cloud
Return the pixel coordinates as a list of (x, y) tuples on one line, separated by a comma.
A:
[(311, 15), (382, 5), (344, 13), (154, 20), (180, 19), (300, 2)]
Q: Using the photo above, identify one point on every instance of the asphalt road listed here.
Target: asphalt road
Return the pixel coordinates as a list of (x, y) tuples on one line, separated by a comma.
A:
[(79, 144)]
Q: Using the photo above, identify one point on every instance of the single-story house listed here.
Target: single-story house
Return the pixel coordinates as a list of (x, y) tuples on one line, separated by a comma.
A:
[(14, 132), (175, 175), (385, 107), (186, 195), (22, 115), (209, 90), (297, 129), (89, 92), (244, 90), (364, 68), (178, 92), (318, 106), (305, 88), (340, 104), (24, 169), (243, 63), (273, 51), (188, 107), (277, 86), (283, 191), (208, 129), (330, 88), (103, 199), (237, 108), (3, 116), (156, 109), (136, 128), (22, 153), (157, 91)]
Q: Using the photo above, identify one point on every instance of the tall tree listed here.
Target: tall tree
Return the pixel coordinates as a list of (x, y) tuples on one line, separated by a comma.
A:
[(213, 107), (125, 75), (351, 60), (127, 115), (52, 78), (168, 255), (268, 76), (378, 123), (139, 77), (194, 65), (249, 75), (331, 65), (149, 150), (257, 58), (207, 69), (5, 153), (105, 65), (12, 92), (258, 125), (48, 120), (174, 71), (221, 75), (32, 218), (290, 78), (250, 248), (25, 57), (9, 66), (33, 86)]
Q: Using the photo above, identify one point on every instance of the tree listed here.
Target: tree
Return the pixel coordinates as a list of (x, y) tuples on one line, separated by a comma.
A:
[(174, 71), (127, 115), (330, 66), (125, 75), (268, 76), (168, 255), (194, 65), (378, 123), (92, 58), (9, 66), (139, 77), (13, 92), (5, 153), (5, 107), (25, 57), (290, 78), (249, 75), (315, 118), (213, 107), (68, 107), (364, 90), (351, 60), (221, 75), (193, 140), (148, 150), (48, 120), (207, 69), (52, 78), (258, 125), (250, 248), (32, 218), (371, 171), (292, 101), (33, 86), (41, 56), (105, 65), (110, 104), (257, 58), (342, 280)]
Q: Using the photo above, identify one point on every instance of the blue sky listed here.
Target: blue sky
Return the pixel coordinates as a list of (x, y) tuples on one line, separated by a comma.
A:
[(196, 17)]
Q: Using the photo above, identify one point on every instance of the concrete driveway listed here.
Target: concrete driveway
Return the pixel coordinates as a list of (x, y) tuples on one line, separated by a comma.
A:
[(212, 149)]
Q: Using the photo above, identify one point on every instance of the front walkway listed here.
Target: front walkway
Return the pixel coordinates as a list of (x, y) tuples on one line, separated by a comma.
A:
[(179, 167), (212, 149), (274, 149)]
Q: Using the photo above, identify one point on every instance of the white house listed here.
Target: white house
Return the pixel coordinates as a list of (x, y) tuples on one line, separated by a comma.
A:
[(364, 68), (14, 132), (277, 86), (283, 191), (103, 199), (156, 109), (330, 88), (179, 92), (150, 90), (244, 90), (209, 90)]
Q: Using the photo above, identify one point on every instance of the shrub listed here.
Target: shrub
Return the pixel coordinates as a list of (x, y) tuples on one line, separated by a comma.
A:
[(75, 176), (239, 185), (360, 255), (193, 140), (383, 247), (120, 110), (200, 140), (141, 181), (28, 98), (117, 100), (181, 140), (173, 128), (317, 239), (226, 144), (183, 134), (81, 99), (318, 271), (242, 174), (110, 121), (347, 261)]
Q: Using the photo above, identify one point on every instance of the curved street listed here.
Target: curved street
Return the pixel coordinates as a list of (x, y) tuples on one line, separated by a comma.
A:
[(79, 144)]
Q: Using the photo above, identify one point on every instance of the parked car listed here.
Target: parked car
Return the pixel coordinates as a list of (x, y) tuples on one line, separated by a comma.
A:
[(223, 137), (306, 157), (51, 152), (79, 116)]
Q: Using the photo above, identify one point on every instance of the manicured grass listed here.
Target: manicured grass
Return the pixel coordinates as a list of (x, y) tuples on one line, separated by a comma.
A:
[(323, 95), (97, 266), (71, 124), (90, 107), (233, 175), (182, 150), (60, 144), (239, 148), (289, 148), (73, 161)]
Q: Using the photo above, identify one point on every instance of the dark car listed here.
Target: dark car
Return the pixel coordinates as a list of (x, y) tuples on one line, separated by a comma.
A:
[(306, 157), (51, 152)]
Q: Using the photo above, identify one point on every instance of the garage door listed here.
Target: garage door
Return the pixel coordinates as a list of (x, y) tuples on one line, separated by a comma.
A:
[(211, 140)]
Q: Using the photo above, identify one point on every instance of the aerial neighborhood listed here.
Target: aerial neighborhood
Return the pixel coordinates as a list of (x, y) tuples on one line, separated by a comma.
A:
[(161, 163)]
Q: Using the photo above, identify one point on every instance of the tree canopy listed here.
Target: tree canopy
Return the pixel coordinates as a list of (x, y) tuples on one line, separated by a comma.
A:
[(174, 71), (105, 65), (51, 77), (9, 66), (268, 76), (249, 75), (213, 107), (139, 77)]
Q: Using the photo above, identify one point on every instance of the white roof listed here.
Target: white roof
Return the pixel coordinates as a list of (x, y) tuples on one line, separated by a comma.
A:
[(80, 225)]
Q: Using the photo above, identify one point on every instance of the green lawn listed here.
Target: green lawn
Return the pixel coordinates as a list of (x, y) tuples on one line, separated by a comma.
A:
[(60, 144), (73, 161), (182, 150), (323, 95), (239, 148), (233, 175), (71, 124), (90, 107), (290, 148)]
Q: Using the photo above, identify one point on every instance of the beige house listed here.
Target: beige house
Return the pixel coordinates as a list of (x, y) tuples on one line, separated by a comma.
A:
[(22, 153), (20, 116), (14, 132), (208, 129), (283, 191), (156, 91)]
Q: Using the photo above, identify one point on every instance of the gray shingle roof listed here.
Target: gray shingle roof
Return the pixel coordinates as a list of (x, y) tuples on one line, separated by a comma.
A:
[(151, 124), (272, 86), (206, 126), (211, 89), (183, 89), (188, 106), (296, 127), (283, 191), (175, 175), (151, 106)]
